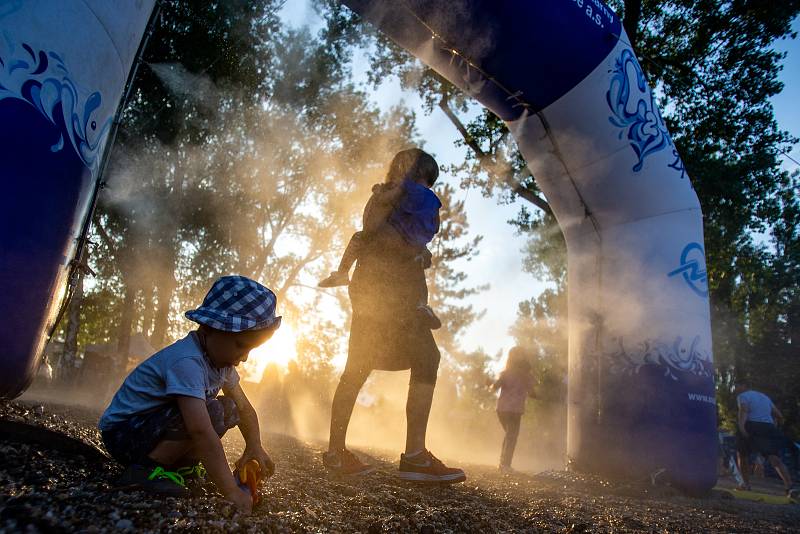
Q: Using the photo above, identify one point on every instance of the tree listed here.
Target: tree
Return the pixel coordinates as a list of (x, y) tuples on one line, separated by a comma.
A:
[(259, 175), (445, 281), (174, 105)]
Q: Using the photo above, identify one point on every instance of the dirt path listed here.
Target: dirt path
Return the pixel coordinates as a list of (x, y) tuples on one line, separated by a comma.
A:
[(44, 489)]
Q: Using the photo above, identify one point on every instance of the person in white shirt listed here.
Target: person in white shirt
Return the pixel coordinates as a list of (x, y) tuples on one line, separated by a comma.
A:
[(757, 432)]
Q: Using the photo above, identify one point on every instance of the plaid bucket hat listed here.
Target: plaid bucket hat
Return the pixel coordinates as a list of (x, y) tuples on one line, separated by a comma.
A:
[(236, 304)]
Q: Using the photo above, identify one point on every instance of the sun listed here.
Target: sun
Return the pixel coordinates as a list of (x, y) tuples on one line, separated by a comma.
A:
[(280, 350)]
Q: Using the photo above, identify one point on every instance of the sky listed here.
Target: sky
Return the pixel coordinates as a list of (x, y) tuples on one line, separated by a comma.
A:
[(787, 110), (499, 262)]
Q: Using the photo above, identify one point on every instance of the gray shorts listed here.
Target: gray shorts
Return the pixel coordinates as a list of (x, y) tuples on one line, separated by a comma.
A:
[(130, 441)]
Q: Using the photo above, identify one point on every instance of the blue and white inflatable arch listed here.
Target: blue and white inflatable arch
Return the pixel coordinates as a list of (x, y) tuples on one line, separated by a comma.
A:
[(562, 76), (63, 68)]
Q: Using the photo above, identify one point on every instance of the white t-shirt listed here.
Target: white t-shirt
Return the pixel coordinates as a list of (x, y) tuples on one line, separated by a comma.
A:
[(180, 369), (759, 406)]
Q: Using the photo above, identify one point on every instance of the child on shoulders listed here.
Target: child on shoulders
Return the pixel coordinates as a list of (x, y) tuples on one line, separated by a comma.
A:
[(402, 215), (166, 417)]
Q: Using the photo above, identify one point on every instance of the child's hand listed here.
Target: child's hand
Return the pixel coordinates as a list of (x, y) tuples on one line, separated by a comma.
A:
[(242, 500), (260, 455)]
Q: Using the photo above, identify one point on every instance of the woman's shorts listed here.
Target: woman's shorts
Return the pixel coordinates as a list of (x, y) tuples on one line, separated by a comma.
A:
[(130, 441), (393, 346)]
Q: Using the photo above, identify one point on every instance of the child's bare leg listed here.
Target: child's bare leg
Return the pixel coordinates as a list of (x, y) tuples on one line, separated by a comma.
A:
[(168, 452), (339, 277)]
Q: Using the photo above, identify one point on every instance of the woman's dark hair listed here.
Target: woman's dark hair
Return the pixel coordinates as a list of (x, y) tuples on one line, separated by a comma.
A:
[(518, 360), (413, 163)]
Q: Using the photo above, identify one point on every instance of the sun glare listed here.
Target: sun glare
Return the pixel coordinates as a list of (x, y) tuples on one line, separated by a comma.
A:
[(280, 350)]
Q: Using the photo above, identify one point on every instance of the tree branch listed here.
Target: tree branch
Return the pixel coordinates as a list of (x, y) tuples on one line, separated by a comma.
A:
[(112, 249), (489, 163), (295, 271), (633, 14)]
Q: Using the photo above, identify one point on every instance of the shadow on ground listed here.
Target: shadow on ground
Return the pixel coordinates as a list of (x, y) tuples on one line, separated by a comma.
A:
[(45, 488)]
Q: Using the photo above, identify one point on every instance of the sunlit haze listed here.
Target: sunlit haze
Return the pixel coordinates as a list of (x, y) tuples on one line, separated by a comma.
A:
[(280, 350)]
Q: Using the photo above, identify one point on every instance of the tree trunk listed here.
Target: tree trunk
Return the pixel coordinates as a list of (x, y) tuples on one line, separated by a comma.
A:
[(149, 308), (633, 14), (166, 290), (125, 323), (67, 365)]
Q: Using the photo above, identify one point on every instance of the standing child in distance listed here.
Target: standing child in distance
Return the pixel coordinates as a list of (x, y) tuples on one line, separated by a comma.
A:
[(166, 417), (516, 385), (403, 215)]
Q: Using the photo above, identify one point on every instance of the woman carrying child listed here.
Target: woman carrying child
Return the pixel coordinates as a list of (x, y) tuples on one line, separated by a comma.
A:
[(390, 329)]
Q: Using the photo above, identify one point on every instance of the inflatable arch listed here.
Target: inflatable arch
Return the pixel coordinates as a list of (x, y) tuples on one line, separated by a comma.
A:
[(563, 77), (63, 69)]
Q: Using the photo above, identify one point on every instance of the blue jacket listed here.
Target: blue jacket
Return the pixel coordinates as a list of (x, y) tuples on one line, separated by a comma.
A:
[(416, 217)]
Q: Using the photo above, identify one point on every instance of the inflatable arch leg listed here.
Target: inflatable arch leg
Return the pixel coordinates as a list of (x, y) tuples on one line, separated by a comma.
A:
[(564, 78), (63, 69)]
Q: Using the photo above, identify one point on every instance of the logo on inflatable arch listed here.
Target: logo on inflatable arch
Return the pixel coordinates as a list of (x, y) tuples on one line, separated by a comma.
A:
[(693, 268), (635, 112), (42, 80)]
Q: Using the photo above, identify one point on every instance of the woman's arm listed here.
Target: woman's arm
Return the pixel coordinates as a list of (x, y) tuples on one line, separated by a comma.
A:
[(380, 206), (499, 382)]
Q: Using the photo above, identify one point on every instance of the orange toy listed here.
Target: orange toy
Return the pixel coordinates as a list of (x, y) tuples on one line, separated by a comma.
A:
[(249, 476)]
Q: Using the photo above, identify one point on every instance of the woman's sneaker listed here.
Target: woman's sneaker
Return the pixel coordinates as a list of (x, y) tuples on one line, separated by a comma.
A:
[(345, 463), (153, 480), (335, 279), (425, 467)]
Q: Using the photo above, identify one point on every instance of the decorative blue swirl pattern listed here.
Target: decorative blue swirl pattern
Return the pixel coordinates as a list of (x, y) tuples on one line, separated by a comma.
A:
[(7, 7), (635, 112), (675, 358), (43, 81)]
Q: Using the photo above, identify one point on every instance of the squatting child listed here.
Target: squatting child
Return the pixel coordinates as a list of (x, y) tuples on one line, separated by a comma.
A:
[(166, 418), (403, 214)]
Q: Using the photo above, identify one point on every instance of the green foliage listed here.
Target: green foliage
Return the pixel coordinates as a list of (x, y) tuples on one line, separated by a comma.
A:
[(541, 328), (446, 282), (248, 149), (273, 144)]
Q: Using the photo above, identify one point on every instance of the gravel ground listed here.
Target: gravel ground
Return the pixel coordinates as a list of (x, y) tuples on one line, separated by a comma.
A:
[(45, 489)]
